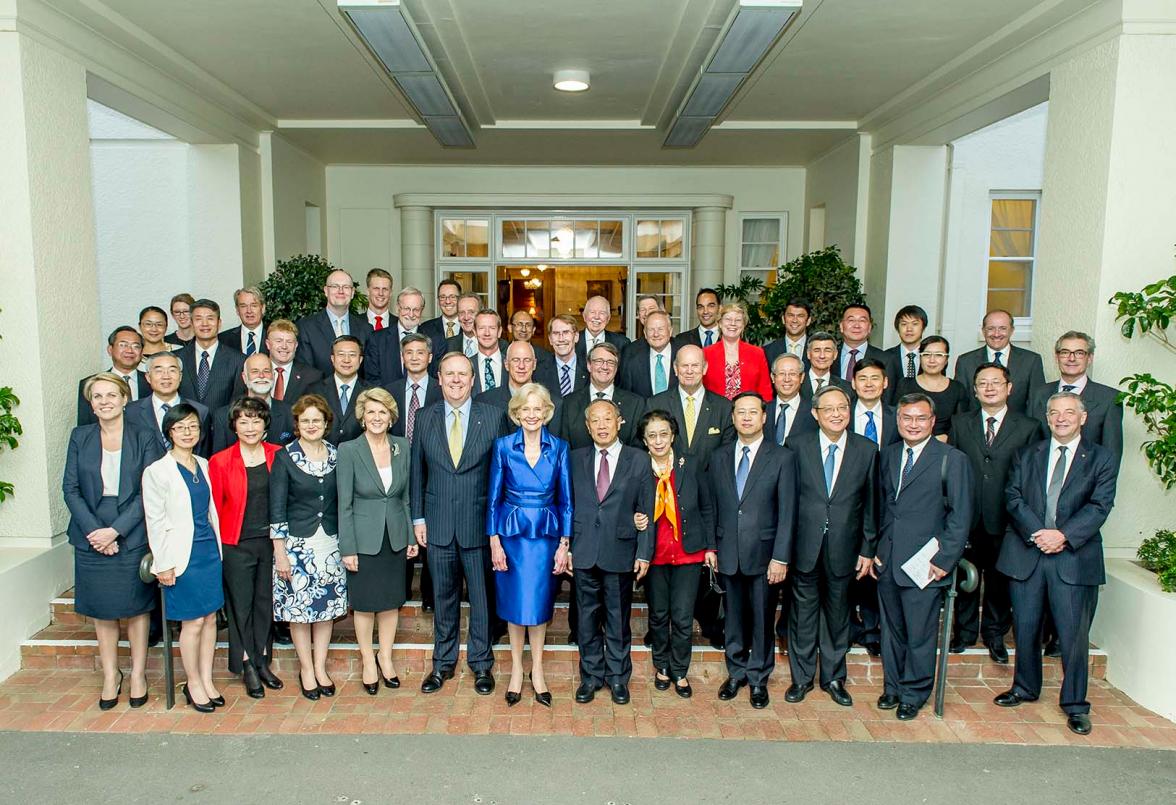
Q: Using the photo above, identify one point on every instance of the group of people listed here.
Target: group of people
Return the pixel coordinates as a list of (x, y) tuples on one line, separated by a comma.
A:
[(292, 472)]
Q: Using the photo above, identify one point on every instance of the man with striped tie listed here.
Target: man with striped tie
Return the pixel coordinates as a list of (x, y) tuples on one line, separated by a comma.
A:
[(909, 322), (571, 373), (250, 336), (447, 325)]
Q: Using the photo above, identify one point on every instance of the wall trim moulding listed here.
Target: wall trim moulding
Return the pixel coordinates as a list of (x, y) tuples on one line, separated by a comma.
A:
[(350, 123), (561, 201)]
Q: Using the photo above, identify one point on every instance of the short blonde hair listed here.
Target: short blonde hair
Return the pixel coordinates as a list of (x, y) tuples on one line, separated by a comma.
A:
[(520, 399), (378, 395), (733, 307), (109, 377), (283, 326)]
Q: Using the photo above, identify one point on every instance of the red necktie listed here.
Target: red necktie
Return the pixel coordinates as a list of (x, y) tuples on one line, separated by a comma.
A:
[(379, 322), (280, 384)]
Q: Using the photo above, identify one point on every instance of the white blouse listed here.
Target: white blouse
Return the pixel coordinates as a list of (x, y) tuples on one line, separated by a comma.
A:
[(386, 476), (111, 466)]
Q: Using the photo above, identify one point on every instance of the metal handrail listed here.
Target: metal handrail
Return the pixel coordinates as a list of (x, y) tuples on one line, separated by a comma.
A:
[(169, 672)]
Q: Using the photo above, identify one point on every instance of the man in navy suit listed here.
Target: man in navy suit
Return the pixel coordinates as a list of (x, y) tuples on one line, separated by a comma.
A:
[(611, 482), (1060, 493), (125, 348), (571, 373), (788, 413), (856, 324), (451, 447), (821, 349), (381, 353), (163, 373), (342, 387), (754, 487), (318, 331), (597, 314), (212, 371), (647, 363), (446, 325), (927, 493), (249, 337), (910, 322), (798, 313), (1024, 365), (706, 306)]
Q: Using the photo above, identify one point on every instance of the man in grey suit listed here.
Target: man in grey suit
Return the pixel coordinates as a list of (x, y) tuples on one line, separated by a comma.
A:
[(1024, 365), (451, 447), (318, 331), (926, 495), (1074, 352)]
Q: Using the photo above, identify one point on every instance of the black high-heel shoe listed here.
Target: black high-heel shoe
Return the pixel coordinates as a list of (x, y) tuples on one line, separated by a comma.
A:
[(326, 690), (309, 693), (543, 698), (218, 701), (513, 698), (108, 704), (138, 701), (389, 681), (207, 707)]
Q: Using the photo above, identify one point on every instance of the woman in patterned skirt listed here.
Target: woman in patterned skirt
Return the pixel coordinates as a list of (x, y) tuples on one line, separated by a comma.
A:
[(310, 585)]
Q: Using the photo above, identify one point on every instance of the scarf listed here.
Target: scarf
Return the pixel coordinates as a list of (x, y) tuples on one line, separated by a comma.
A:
[(666, 502)]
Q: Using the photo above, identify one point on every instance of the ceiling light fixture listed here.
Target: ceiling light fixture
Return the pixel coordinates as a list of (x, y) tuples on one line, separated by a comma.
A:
[(745, 39), (571, 80), (386, 29)]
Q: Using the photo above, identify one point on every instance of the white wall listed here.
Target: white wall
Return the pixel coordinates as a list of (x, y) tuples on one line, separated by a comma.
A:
[(295, 180), (838, 183), (363, 228)]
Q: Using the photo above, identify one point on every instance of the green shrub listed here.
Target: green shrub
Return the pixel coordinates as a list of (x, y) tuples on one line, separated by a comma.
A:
[(1158, 554), (295, 288)]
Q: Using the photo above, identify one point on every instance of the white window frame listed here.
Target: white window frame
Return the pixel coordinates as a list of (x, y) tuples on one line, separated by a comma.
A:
[(1023, 325), (782, 218)]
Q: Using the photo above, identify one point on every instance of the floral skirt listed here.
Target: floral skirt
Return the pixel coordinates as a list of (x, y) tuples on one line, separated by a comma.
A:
[(317, 589)]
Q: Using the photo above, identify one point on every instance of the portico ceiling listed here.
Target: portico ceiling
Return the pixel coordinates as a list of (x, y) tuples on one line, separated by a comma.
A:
[(297, 66)]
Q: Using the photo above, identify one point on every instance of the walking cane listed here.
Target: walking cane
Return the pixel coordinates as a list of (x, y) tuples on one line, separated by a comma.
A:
[(969, 584), (169, 674)]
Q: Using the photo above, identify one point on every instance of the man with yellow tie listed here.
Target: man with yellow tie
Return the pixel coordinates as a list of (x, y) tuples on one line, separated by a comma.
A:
[(452, 442)]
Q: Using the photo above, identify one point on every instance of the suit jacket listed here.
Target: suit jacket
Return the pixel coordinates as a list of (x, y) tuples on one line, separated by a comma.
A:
[(889, 360), (231, 338), (696, 508), (229, 481), (691, 338), (573, 429), (280, 431), (618, 340), (316, 335), (1104, 414), (545, 373), (1024, 366), (435, 330), (806, 387), (479, 366), (890, 433), (224, 376), (935, 501), (345, 427), (579, 376), (713, 427), (801, 417), (1087, 496), (86, 411), (299, 502), (774, 349), (634, 373), (760, 526), (844, 523), (436, 483), (167, 509), (603, 533), (81, 484), (753, 370), (399, 392), (990, 465), (302, 376), (141, 413), (368, 511), (381, 356), (500, 398), (895, 353)]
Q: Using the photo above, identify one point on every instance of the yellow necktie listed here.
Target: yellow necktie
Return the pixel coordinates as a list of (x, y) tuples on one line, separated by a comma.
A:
[(455, 438), (691, 419), (449, 329)]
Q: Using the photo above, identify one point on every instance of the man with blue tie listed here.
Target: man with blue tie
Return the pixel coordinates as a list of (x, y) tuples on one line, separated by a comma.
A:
[(706, 306), (570, 372), (1060, 493), (342, 387), (789, 412), (647, 363), (212, 370), (318, 331), (1024, 365), (250, 336)]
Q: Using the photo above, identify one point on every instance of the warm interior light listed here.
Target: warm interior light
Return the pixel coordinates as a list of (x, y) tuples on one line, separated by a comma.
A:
[(526, 272), (542, 266), (571, 80)]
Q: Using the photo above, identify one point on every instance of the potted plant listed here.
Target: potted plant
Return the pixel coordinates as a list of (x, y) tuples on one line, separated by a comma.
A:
[(10, 429), (295, 288)]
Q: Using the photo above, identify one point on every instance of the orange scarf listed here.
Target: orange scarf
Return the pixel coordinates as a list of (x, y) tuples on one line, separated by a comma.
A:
[(666, 501)]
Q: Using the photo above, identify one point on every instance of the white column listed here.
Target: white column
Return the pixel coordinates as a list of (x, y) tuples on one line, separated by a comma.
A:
[(416, 252), (708, 242)]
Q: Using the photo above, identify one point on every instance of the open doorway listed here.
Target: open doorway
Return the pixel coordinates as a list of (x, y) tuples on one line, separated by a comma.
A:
[(546, 291)]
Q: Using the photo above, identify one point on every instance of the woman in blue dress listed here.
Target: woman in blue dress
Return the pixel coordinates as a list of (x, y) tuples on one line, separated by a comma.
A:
[(184, 534), (529, 520)]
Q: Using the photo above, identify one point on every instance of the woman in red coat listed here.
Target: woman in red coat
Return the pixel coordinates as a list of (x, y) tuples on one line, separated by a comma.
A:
[(239, 479), (733, 365)]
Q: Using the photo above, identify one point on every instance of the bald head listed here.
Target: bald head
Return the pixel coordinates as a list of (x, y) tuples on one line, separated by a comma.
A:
[(689, 367)]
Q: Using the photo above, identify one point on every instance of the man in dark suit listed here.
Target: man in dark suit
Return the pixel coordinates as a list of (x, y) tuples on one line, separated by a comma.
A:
[(647, 365), (291, 377), (520, 370), (611, 483), (910, 322), (163, 373), (754, 486), (1104, 414), (990, 438), (836, 531), (258, 377), (597, 314), (798, 313), (342, 387), (856, 324), (446, 325), (926, 497), (382, 365), (822, 354), (451, 447), (465, 341), (125, 348), (571, 373), (602, 369), (212, 371), (1024, 365), (706, 306), (521, 327), (249, 337), (489, 361), (1059, 495), (789, 413), (318, 331)]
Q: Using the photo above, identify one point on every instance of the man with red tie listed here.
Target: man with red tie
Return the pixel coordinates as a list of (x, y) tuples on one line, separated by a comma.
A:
[(379, 293), (291, 377)]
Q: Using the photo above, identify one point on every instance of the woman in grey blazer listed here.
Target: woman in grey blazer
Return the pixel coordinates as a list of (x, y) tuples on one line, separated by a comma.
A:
[(375, 533)]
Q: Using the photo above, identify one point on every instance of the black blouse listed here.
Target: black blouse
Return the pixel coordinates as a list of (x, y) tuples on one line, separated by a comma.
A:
[(951, 401), (255, 524)]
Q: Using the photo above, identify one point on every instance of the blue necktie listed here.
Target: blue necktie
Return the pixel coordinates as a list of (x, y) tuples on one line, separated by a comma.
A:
[(781, 422), (996, 359), (871, 428), (565, 381), (742, 470), (488, 382), (659, 375), (906, 470), (830, 464), (343, 399), (710, 338), (251, 345), (202, 376)]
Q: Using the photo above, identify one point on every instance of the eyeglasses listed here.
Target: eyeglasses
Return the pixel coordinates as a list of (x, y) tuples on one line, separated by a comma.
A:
[(834, 409), (447, 297), (603, 362), (332, 286), (189, 428), (412, 311), (1071, 353), (934, 354), (128, 345), (990, 384), (524, 325), (908, 419)]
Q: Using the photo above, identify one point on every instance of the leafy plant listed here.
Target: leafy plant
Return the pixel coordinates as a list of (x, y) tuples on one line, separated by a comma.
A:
[(1158, 554), (821, 277), (295, 288), (10, 429)]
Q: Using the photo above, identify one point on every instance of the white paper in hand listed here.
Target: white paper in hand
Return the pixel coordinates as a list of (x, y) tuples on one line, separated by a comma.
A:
[(918, 567)]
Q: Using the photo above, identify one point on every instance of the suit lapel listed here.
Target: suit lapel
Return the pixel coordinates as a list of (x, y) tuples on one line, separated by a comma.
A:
[(756, 468), (926, 458), (817, 469), (126, 478), (1078, 465), (366, 457), (472, 430)]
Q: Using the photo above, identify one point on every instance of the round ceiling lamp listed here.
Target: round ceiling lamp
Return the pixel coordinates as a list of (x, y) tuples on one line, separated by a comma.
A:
[(571, 80)]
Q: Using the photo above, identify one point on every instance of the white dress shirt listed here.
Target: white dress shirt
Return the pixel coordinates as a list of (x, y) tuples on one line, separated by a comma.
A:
[(755, 446), (210, 349), (702, 331), (796, 347), (351, 384), (666, 364), (823, 378), (902, 359), (495, 366), (838, 454), (999, 416), (244, 332), (445, 326), (1054, 444), (157, 406), (860, 420), (386, 317), (918, 448), (593, 392), (591, 341), (789, 415), (1079, 385), (1005, 354)]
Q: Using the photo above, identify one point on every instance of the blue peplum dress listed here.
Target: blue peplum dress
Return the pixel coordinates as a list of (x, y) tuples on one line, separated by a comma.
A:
[(529, 508)]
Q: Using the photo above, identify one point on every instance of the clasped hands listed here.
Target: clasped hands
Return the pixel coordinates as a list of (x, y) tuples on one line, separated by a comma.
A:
[(562, 564), (1049, 540), (103, 540)]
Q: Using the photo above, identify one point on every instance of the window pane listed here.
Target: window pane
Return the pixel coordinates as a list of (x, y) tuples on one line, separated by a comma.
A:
[(666, 286), (766, 255), (671, 238), (586, 239), (472, 282), (453, 234), (1013, 213), (1011, 243), (1015, 302), (769, 277), (761, 230), (648, 238), (513, 239), (477, 238), (1007, 275), (563, 239), (611, 236), (538, 239)]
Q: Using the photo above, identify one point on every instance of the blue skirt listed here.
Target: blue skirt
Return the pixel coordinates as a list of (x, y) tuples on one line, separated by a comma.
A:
[(108, 587), (526, 589), (200, 590)]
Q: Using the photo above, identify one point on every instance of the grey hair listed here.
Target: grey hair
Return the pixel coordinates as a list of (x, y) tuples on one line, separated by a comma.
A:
[(155, 356), (1066, 395), (1069, 334)]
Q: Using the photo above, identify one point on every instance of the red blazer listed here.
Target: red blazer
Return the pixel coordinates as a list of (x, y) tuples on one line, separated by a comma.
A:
[(229, 484), (753, 370)]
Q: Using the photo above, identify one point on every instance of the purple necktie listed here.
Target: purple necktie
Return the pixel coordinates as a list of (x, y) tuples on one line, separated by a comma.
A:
[(414, 404), (602, 476)]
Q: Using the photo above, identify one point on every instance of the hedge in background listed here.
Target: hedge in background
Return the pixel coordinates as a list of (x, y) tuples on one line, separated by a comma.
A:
[(295, 288)]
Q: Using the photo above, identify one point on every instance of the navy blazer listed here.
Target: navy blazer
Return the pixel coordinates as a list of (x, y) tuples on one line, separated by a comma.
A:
[(399, 392), (888, 359), (381, 356), (224, 375), (618, 340), (302, 376), (991, 464), (86, 411), (141, 414), (801, 417), (759, 527), (1087, 496), (774, 349), (1024, 367), (316, 336), (82, 484), (936, 501), (345, 426), (890, 433), (634, 373), (231, 338), (603, 533), (574, 430), (1104, 414)]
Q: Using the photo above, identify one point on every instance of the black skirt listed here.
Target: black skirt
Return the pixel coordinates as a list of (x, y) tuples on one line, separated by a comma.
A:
[(108, 587), (379, 584)]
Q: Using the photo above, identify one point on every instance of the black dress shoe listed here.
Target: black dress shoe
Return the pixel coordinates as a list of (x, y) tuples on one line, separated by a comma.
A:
[(206, 707), (513, 698), (389, 681), (887, 701), (873, 648), (683, 689), (658, 682), (838, 693), (717, 643), (154, 639), (796, 693), (730, 689), (433, 682), (138, 701), (268, 679), (1052, 649), (998, 652), (1079, 723), (957, 647), (587, 691), (108, 704), (1010, 698), (310, 693), (483, 683), (217, 701), (620, 693), (427, 607), (327, 690), (759, 696), (252, 682), (648, 639), (907, 712), (572, 640), (282, 634)]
